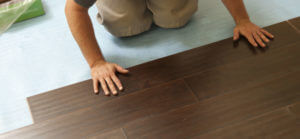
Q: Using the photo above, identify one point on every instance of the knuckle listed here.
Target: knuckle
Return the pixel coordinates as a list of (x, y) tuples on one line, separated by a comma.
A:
[(99, 78), (259, 33), (102, 75), (104, 89), (111, 74), (118, 84), (106, 77), (103, 86)]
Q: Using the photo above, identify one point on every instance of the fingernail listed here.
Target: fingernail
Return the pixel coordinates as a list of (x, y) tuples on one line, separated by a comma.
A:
[(121, 88)]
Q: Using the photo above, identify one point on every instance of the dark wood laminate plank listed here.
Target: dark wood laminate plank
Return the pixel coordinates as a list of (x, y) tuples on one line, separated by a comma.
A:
[(112, 114), (294, 109), (219, 111), (77, 96), (296, 23), (246, 73), (114, 134), (278, 124)]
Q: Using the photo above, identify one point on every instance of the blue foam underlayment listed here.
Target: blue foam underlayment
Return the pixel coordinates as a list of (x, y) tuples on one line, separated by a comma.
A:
[(40, 54)]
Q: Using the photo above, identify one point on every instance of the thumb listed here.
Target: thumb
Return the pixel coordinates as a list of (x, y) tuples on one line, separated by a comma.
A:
[(236, 34), (121, 69)]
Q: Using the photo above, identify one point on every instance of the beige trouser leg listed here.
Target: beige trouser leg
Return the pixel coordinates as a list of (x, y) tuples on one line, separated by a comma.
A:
[(124, 17), (172, 13), (130, 17)]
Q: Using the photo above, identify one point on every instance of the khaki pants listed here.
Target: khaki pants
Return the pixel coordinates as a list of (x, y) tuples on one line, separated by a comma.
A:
[(130, 17)]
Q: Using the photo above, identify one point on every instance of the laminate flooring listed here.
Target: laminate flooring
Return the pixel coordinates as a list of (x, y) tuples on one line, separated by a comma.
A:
[(222, 90)]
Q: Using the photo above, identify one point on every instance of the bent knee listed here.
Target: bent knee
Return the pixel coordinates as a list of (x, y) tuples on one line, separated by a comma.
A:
[(127, 26), (173, 16)]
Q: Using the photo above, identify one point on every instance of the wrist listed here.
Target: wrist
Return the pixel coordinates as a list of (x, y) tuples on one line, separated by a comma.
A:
[(242, 21), (97, 62)]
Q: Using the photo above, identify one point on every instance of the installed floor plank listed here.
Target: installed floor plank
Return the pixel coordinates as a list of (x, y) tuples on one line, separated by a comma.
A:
[(219, 111), (112, 114), (201, 92), (294, 109), (278, 124), (114, 134), (64, 100), (247, 72), (295, 23)]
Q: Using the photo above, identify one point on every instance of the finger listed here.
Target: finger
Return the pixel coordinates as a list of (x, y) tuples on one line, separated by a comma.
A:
[(262, 36), (111, 85), (258, 40), (251, 40), (267, 33), (236, 34), (121, 69), (104, 86), (95, 85), (117, 82)]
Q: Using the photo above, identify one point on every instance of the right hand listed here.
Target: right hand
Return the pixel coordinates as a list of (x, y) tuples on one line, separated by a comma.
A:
[(105, 73)]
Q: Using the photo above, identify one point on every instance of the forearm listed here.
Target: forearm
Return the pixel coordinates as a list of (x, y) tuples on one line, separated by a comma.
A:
[(237, 10), (83, 32)]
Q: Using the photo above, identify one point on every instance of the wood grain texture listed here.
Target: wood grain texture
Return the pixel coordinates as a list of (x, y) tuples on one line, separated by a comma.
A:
[(219, 111), (278, 124), (202, 92), (294, 109), (247, 72), (64, 100), (114, 134), (295, 23), (112, 114)]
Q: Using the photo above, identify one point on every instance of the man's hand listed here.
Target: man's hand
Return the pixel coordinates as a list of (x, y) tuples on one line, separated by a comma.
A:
[(81, 27), (244, 26), (105, 73), (253, 33)]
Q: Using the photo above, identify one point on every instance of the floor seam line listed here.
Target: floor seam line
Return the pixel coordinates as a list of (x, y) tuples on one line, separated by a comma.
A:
[(230, 124), (124, 133), (293, 26), (191, 90)]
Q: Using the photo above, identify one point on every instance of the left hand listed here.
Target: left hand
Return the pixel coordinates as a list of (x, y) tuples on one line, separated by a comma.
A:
[(253, 33)]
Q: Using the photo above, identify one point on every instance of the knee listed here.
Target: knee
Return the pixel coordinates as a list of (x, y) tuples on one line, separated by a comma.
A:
[(124, 25), (176, 18)]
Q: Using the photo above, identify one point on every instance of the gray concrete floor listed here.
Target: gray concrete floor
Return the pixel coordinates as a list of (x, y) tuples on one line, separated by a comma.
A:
[(40, 54)]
